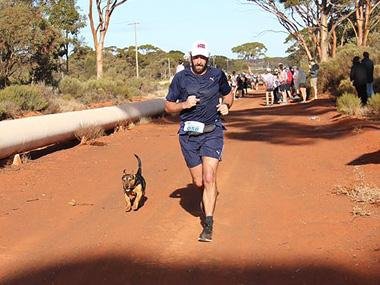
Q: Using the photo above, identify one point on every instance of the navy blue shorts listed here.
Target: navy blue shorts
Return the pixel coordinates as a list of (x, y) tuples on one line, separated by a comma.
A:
[(195, 147)]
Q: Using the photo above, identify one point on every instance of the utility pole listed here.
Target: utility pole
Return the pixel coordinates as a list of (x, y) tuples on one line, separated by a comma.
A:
[(136, 55)]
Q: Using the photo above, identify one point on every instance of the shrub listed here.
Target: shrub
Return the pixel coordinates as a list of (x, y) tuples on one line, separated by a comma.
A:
[(337, 69), (345, 86), (374, 105), (26, 97), (71, 86), (349, 104), (8, 110)]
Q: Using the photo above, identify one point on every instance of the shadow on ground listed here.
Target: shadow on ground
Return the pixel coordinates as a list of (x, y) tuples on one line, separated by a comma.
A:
[(255, 124), (122, 269), (368, 158), (190, 198)]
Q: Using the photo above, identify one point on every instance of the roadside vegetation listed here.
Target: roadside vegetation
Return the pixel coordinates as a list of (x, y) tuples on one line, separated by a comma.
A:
[(363, 195), (45, 68)]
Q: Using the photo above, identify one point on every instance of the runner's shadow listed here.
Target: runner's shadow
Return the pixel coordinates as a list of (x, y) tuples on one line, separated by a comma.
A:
[(368, 158), (190, 198)]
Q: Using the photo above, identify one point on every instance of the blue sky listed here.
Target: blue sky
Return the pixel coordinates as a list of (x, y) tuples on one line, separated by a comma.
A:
[(176, 24)]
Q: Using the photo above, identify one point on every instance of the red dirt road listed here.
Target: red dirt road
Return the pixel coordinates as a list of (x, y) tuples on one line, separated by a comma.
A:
[(276, 221)]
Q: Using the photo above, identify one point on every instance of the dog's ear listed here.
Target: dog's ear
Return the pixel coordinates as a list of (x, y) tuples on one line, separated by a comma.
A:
[(124, 171)]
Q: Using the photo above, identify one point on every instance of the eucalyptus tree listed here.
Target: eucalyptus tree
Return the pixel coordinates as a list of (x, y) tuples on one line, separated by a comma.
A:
[(367, 16), (314, 16), (28, 44), (250, 51), (99, 28), (64, 15)]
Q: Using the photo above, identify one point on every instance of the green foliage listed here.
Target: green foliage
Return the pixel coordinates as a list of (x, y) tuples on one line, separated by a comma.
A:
[(337, 69), (252, 50), (105, 89), (8, 110), (70, 85), (349, 104), (374, 105), (345, 86), (27, 45), (25, 97)]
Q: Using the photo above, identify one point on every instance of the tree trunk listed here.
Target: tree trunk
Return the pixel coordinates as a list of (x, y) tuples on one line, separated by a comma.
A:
[(99, 55), (359, 23), (334, 44), (324, 42), (99, 62)]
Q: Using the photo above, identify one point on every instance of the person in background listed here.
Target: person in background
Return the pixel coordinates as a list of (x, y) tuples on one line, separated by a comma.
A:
[(180, 66), (300, 82), (283, 88), (201, 94), (314, 70), (358, 76), (269, 80), (368, 63), (239, 87)]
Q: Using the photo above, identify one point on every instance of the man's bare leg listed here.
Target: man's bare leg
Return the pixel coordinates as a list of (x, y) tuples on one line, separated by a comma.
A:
[(205, 175), (210, 166)]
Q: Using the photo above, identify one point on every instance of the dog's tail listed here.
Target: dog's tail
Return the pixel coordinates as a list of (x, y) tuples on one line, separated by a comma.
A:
[(139, 164)]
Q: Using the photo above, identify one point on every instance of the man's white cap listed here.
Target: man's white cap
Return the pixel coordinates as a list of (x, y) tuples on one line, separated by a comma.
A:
[(200, 48)]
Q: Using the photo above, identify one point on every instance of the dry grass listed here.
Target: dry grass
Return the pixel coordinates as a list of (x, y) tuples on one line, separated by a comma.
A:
[(89, 134), (361, 193), (144, 120)]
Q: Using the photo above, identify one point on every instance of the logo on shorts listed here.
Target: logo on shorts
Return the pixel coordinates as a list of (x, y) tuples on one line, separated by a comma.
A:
[(212, 79)]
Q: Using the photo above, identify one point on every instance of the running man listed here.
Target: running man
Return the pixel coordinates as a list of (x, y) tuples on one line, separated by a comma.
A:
[(201, 94)]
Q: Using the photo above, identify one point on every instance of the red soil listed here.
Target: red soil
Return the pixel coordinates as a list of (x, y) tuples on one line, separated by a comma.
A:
[(276, 222)]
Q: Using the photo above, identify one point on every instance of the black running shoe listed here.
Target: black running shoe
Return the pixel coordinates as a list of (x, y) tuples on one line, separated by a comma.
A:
[(206, 234)]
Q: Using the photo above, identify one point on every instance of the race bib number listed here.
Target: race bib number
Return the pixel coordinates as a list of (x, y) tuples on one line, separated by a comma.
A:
[(194, 126)]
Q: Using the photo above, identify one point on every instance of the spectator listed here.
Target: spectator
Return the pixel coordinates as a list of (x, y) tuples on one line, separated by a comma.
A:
[(269, 82), (300, 82), (234, 83), (245, 84), (283, 88), (180, 66), (314, 70), (369, 67), (239, 87), (358, 76)]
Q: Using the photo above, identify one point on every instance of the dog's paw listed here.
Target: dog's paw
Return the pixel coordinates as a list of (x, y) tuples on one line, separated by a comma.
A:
[(128, 208), (135, 207)]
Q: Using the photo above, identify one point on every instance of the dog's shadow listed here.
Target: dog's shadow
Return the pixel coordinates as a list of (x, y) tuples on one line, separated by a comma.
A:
[(190, 198)]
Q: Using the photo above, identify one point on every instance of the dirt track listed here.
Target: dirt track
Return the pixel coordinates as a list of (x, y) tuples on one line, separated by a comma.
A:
[(276, 221)]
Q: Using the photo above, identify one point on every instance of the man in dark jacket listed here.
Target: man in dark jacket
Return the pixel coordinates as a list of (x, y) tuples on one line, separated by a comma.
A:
[(369, 67), (358, 76)]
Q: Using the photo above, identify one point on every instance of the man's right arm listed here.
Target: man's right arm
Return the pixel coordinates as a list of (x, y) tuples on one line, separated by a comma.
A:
[(176, 107)]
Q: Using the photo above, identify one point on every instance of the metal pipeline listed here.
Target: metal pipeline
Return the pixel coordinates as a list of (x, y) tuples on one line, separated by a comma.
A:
[(26, 134)]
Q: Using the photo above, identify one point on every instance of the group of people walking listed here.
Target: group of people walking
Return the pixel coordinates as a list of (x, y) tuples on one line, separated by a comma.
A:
[(361, 76), (289, 83)]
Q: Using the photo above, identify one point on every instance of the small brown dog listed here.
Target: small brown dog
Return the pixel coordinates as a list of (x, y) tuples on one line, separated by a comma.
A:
[(134, 187)]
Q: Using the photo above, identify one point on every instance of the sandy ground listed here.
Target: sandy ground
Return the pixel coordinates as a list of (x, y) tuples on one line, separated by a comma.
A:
[(277, 221)]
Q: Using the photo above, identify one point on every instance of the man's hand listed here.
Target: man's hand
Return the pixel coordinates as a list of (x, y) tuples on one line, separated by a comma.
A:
[(222, 107), (190, 102)]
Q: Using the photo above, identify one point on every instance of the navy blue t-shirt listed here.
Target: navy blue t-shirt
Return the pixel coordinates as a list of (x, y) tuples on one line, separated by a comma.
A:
[(208, 87)]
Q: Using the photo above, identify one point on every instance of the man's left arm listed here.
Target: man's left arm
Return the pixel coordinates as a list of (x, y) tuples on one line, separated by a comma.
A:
[(225, 103)]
